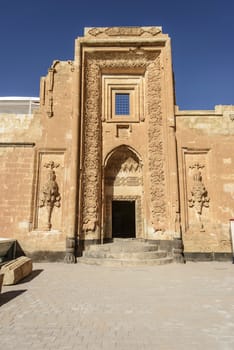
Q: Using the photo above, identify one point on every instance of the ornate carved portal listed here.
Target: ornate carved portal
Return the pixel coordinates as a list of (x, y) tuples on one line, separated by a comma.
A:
[(123, 183), (96, 64)]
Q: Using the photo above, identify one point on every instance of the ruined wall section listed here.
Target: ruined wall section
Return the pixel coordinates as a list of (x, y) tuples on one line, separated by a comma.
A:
[(35, 152), (205, 152)]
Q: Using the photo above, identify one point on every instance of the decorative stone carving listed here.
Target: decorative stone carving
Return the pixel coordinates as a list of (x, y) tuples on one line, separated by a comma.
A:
[(50, 196), (123, 160), (199, 195), (155, 144), (123, 169), (124, 31), (96, 63)]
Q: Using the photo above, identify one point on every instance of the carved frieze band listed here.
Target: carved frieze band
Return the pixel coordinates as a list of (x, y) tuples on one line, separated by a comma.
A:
[(124, 31), (92, 134), (95, 63), (156, 156)]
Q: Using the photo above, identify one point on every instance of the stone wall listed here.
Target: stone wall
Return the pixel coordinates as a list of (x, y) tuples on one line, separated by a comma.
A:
[(53, 163), (205, 155), (29, 145), (16, 178)]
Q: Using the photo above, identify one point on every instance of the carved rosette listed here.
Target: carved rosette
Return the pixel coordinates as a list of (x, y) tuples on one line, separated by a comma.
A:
[(95, 63), (156, 158)]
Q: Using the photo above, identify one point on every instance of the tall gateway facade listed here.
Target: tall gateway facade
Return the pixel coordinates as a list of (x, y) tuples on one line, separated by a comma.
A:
[(109, 155)]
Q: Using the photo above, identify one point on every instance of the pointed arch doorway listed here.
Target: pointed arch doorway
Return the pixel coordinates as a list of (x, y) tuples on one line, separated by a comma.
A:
[(123, 195)]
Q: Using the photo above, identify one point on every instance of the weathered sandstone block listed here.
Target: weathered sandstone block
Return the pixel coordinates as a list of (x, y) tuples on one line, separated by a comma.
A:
[(16, 270)]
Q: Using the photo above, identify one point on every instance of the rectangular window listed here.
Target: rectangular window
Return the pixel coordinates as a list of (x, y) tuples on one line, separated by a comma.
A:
[(122, 104)]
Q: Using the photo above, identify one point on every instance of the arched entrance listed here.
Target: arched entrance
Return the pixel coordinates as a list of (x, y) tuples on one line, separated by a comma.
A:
[(123, 195)]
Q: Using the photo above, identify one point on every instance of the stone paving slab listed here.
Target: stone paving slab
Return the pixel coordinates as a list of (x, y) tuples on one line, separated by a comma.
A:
[(79, 306)]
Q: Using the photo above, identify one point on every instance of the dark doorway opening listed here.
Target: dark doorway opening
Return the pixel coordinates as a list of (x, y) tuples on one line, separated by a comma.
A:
[(123, 219)]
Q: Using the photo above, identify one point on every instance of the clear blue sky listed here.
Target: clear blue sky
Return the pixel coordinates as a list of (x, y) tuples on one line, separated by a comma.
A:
[(33, 33)]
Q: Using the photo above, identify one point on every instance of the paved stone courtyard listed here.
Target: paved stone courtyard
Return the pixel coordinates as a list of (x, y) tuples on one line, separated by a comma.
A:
[(79, 306)]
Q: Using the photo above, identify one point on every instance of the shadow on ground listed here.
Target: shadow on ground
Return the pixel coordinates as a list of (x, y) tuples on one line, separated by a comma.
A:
[(8, 296), (30, 277)]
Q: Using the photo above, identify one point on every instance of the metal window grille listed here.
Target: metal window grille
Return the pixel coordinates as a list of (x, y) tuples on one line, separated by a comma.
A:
[(122, 104)]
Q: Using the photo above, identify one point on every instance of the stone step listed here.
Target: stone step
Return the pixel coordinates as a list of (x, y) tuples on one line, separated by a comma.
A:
[(125, 262), (121, 246), (125, 252), (123, 255)]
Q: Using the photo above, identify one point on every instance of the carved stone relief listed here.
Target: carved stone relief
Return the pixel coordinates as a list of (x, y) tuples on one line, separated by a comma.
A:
[(95, 63), (48, 211), (156, 154), (92, 137), (124, 31), (123, 169), (198, 193), (50, 196)]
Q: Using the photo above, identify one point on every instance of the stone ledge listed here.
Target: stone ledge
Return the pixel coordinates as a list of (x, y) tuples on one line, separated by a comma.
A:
[(47, 256), (208, 256)]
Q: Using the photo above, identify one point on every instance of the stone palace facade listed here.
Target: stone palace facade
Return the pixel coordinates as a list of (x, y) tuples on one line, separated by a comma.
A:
[(108, 154)]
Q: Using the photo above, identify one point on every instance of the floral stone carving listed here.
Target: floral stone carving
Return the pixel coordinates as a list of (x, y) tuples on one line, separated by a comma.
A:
[(91, 179), (199, 195), (50, 196)]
